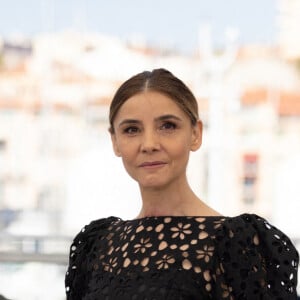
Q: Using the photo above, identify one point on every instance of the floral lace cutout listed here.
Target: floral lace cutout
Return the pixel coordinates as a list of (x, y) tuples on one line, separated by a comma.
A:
[(182, 258)]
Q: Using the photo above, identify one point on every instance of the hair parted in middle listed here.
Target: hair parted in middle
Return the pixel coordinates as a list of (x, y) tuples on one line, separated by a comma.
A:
[(158, 80)]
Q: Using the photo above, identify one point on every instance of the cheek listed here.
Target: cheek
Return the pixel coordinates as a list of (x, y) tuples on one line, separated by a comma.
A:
[(129, 163), (179, 147), (127, 151), (184, 154)]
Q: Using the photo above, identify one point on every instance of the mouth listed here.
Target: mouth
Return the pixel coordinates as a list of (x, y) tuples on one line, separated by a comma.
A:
[(152, 164)]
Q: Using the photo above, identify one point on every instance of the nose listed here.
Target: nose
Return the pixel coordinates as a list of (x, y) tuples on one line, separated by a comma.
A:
[(150, 142)]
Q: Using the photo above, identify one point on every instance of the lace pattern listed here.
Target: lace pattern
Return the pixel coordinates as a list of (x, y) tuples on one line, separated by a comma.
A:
[(182, 258)]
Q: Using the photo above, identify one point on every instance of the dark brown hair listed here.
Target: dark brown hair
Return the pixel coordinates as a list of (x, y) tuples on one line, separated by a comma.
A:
[(158, 80)]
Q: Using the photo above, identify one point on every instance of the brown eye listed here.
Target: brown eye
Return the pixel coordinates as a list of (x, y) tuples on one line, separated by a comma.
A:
[(131, 130), (168, 126)]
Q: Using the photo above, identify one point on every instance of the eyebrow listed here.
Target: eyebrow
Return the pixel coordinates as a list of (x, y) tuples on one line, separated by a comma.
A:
[(168, 117), (160, 118)]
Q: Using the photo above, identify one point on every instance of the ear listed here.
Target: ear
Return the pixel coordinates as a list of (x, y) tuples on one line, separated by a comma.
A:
[(115, 144), (196, 136)]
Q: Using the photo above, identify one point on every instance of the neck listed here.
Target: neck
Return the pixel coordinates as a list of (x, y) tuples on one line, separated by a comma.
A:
[(174, 200)]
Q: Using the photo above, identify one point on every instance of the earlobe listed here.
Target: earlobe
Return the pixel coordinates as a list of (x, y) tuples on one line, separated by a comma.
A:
[(197, 136)]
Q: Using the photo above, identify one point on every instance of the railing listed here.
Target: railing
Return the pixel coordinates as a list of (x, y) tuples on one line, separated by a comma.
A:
[(45, 249), (30, 248)]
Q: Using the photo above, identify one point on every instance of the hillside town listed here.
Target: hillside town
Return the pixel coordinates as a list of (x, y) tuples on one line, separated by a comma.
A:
[(57, 168), (54, 96)]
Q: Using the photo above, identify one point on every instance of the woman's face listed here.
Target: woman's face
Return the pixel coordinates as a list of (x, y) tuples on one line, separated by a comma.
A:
[(154, 137)]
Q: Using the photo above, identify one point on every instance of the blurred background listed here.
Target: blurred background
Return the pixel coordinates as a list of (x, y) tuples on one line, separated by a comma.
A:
[(60, 64)]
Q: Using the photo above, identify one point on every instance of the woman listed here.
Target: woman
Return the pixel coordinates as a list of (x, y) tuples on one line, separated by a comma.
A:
[(177, 247)]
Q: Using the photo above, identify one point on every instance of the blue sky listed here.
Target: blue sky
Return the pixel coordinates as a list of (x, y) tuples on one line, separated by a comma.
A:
[(161, 22)]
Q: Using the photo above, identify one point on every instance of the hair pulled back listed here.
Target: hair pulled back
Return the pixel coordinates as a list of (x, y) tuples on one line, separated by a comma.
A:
[(158, 80)]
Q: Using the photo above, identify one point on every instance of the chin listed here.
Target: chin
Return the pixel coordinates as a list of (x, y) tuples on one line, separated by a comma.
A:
[(152, 184)]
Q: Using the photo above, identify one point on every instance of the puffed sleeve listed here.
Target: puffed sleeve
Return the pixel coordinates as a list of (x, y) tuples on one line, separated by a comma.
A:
[(256, 260), (81, 252)]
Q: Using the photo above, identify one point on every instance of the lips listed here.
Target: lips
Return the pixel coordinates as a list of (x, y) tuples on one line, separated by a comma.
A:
[(152, 164)]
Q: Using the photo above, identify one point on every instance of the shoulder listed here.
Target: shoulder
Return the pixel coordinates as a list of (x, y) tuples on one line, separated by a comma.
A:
[(254, 232), (89, 234), (259, 231), (264, 257), (94, 227), (79, 259)]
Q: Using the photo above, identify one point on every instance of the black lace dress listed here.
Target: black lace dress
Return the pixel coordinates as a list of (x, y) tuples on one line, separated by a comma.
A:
[(182, 258)]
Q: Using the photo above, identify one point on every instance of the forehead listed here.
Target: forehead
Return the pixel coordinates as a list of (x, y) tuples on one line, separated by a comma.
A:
[(149, 103)]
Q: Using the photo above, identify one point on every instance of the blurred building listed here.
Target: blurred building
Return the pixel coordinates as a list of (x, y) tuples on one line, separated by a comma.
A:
[(53, 113), (289, 24)]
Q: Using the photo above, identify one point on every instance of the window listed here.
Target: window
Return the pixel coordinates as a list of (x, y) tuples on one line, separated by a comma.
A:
[(250, 171), (1, 192), (2, 145)]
